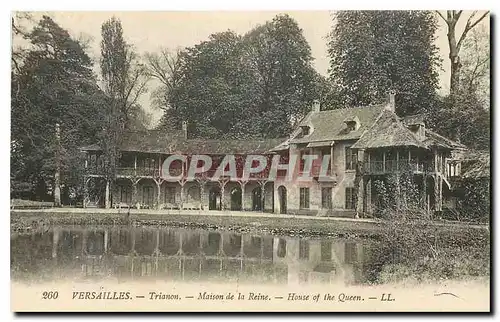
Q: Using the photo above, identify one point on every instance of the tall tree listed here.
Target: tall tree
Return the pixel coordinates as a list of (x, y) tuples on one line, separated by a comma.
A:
[(124, 81), (246, 86), (465, 114), (475, 70), (54, 85), (280, 64), (373, 52), (211, 91), (164, 67), (451, 20), (124, 77)]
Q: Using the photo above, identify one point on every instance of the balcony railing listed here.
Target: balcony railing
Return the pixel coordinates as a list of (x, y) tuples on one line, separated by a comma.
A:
[(141, 172), (391, 166)]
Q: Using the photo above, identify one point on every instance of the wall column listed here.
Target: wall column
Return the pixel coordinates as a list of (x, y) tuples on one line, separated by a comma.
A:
[(242, 185), (108, 195), (263, 195), (202, 183), (135, 196), (182, 183), (158, 193)]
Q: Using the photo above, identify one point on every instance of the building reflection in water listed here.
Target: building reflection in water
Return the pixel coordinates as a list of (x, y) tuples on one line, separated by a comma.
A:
[(183, 254)]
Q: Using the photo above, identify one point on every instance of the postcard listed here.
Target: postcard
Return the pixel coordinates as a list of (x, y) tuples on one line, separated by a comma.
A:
[(251, 161)]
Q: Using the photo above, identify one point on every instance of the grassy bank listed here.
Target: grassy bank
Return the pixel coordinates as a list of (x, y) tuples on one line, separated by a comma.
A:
[(29, 220)]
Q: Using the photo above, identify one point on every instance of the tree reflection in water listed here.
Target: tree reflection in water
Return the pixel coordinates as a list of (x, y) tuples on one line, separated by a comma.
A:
[(125, 253)]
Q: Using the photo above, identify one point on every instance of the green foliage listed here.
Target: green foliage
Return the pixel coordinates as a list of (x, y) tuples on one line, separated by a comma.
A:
[(474, 199), (124, 81), (464, 119), (245, 86), (373, 52), (410, 249), (53, 83), (465, 115), (399, 196)]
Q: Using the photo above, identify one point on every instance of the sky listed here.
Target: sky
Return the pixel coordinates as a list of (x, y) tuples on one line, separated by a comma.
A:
[(149, 31)]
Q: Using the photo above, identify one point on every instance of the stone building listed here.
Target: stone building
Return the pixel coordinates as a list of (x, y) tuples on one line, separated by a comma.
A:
[(364, 144), (360, 145)]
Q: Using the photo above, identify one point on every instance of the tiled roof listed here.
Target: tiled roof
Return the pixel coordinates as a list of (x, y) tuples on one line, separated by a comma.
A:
[(387, 131), (434, 139), (170, 143), (476, 164), (329, 125)]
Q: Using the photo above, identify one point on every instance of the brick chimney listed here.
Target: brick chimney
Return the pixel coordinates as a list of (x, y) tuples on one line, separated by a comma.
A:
[(391, 101), (185, 129), (316, 107)]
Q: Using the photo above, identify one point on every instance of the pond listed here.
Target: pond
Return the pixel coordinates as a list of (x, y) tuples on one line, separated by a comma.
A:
[(125, 253)]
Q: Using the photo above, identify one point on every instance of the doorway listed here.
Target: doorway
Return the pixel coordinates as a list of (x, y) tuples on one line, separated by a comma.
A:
[(257, 199), (236, 198), (214, 199), (282, 199)]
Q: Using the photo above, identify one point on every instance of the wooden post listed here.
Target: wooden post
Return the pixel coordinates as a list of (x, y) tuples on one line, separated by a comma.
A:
[(182, 183), (135, 164), (397, 160), (263, 195), (202, 184), (135, 200), (243, 184), (409, 157), (159, 166), (158, 193), (332, 164), (107, 195), (222, 194), (365, 184), (383, 162), (424, 188)]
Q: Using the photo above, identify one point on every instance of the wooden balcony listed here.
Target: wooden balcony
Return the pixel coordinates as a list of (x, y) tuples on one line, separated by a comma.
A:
[(393, 166), (137, 172)]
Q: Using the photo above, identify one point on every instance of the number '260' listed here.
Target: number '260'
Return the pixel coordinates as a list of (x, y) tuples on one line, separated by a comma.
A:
[(50, 295)]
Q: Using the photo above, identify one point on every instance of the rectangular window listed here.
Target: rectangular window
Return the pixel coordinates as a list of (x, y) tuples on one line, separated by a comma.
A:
[(351, 158), (304, 198), (349, 198), (326, 198), (125, 194), (169, 195), (147, 195)]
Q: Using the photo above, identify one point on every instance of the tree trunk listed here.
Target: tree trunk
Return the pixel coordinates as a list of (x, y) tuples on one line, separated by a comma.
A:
[(454, 61), (57, 174)]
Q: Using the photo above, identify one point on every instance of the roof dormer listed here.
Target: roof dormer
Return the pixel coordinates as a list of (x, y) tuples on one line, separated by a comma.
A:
[(352, 123), (306, 130), (416, 124)]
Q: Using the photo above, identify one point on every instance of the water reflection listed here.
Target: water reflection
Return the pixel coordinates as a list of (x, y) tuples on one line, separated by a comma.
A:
[(184, 254)]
